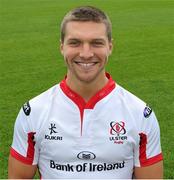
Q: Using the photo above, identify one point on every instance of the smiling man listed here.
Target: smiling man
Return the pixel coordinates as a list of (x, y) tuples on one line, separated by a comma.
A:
[(87, 126), (86, 48)]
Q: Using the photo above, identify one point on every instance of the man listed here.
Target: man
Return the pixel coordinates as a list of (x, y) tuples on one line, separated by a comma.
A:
[(87, 126)]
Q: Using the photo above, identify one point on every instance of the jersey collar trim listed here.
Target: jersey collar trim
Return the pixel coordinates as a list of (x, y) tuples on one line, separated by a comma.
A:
[(80, 102)]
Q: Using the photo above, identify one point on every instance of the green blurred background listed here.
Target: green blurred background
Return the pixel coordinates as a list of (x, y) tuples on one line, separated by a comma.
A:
[(142, 60)]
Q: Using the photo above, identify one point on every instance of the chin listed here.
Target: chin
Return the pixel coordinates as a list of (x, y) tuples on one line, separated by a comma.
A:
[(87, 78)]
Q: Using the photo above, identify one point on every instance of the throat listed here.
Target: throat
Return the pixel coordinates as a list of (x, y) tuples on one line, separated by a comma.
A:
[(86, 90)]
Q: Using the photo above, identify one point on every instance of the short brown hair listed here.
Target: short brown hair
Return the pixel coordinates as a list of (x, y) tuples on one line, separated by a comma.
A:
[(87, 13)]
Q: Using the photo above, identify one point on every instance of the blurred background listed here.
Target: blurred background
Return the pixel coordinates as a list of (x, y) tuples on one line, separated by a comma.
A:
[(142, 60)]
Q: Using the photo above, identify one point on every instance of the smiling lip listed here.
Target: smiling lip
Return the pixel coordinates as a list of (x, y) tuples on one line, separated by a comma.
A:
[(86, 65)]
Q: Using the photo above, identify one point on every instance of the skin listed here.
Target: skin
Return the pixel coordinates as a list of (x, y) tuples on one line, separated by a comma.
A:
[(154, 171), (86, 49), (19, 170)]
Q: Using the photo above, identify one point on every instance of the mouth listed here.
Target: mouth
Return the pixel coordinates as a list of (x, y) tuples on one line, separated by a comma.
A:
[(86, 66)]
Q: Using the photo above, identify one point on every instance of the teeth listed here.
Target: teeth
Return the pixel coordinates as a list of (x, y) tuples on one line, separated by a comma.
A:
[(86, 64)]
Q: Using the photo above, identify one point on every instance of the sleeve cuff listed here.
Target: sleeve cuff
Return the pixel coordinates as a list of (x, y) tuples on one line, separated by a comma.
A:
[(152, 160), (20, 158)]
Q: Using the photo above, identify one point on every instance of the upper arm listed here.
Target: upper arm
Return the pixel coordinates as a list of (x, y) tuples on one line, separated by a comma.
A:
[(19, 170), (154, 171), (24, 152), (148, 156)]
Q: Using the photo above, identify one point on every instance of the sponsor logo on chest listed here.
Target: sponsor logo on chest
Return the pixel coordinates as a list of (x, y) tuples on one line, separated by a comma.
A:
[(87, 167)]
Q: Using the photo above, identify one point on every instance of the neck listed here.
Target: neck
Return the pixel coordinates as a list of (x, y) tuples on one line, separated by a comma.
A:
[(87, 89)]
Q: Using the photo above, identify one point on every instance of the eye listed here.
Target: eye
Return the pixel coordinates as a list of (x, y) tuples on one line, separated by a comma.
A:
[(97, 43), (74, 43)]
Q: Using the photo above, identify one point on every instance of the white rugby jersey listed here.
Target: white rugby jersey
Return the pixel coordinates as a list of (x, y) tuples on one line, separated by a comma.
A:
[(104, 138)]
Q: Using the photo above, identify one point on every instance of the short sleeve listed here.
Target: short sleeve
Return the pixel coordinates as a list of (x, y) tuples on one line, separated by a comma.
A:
[(24, 146), (148, 151)]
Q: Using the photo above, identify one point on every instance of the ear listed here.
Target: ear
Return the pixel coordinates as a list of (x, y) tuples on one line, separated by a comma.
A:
[(61, 47), (110, 47)]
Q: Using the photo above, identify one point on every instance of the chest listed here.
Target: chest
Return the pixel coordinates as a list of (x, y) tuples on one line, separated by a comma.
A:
[(104, 134)]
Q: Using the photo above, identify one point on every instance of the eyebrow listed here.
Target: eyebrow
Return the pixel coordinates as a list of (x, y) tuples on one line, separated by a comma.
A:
[(79, 40), (98, 39), (73, 39)]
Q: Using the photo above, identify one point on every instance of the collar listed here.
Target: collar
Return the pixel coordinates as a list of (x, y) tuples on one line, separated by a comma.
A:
[(80, 102)]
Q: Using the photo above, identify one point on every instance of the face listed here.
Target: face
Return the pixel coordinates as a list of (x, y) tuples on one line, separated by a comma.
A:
[(86, 49)]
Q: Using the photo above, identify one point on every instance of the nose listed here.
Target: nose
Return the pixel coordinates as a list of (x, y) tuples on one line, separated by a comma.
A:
[(86, 51)]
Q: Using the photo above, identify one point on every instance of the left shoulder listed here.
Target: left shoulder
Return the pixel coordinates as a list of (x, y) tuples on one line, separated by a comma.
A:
[(134, 103)]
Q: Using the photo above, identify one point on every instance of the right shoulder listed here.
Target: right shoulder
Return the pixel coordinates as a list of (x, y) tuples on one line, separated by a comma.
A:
[(30, 124), (35, 111), (41, 102)]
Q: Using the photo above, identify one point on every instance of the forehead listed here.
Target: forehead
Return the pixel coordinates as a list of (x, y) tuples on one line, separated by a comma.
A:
[(85, 30)]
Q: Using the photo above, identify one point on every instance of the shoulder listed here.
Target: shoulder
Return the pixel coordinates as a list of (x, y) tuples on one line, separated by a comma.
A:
[(35, 111), (45, 97), (41, 101), (135, 105), (129, 97)]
